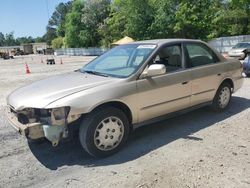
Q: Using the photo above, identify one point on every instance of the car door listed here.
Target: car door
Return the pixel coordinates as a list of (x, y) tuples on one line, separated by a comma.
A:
[(166, 93), (206, 72)]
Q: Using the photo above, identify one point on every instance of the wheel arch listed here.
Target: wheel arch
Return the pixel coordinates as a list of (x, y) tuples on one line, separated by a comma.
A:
[(116, 104), (229, 81)]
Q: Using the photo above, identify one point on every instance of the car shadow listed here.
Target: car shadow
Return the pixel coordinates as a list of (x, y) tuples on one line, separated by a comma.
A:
[(142, 141)]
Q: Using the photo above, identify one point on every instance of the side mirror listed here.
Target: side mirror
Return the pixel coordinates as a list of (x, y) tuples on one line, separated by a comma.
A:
[(154, 70)]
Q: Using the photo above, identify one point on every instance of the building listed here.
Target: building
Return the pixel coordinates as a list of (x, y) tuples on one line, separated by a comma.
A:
[(8, 49), (39, 47), (27, 48), (32, 48)]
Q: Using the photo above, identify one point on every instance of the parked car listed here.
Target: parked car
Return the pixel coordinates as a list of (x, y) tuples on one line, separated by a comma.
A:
[(237, 50), (128, 86)]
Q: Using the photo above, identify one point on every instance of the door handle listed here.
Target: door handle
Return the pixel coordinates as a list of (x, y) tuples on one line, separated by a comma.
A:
[(219, 74), (183, 83)]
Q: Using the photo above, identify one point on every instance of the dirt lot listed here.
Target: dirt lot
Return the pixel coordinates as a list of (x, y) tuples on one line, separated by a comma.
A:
[(198, 149)]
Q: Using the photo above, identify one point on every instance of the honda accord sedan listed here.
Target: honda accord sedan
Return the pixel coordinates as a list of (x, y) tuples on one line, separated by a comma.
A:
[(128, 86)]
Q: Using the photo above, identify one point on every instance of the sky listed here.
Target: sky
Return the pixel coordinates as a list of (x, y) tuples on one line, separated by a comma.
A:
[(26, 17)]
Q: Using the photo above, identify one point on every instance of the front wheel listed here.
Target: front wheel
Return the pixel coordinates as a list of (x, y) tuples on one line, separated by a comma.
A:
[(103, 132), (222, 97)]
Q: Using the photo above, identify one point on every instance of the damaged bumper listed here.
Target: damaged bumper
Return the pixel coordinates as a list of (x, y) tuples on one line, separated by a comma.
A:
[(37, 130), (32, 130)]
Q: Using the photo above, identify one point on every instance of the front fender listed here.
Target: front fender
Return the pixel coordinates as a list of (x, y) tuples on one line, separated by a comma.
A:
[(85, 101)]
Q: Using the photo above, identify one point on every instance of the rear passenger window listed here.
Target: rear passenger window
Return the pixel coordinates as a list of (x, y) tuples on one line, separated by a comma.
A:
[(200, 55)]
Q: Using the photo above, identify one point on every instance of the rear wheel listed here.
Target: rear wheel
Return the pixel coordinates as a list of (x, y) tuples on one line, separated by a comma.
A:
[(222, 97), (103, 132)]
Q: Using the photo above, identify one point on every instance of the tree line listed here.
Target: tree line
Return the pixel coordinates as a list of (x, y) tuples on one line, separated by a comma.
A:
[(90, 23), (9, 40)]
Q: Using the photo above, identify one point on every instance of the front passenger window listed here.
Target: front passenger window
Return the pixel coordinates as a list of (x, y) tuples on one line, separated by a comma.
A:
[(169, 56), (199, 55)]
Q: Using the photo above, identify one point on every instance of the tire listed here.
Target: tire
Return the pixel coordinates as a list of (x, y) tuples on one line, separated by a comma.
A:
[(222, 98), (36, 141), (104, 131)]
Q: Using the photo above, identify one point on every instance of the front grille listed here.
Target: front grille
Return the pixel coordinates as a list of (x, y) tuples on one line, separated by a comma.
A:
[(22, 118)]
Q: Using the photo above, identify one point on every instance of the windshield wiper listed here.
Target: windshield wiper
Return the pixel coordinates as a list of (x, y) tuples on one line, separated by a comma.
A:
[(97, 73)]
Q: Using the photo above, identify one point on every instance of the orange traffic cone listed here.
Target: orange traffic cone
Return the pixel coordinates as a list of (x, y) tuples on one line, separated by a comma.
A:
[(27, 69), (61, 61)]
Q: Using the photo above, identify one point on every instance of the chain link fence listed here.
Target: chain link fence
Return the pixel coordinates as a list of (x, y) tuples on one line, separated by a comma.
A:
[(80, 51), (224, 44)]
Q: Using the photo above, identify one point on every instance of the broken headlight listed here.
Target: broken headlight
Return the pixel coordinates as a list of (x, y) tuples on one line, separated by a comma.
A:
[(59, 115)]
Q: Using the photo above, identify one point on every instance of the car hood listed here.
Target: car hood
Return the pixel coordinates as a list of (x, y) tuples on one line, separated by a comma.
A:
[(237, 50), (41, 93)]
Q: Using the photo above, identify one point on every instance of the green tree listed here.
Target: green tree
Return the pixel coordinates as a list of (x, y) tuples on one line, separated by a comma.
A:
[(10, 40), (57, 43), (2, 39), (39, 39), (50, 35), (139, 16), (56, 24), (193, 19), (100, 22), (164, 18), (25, 40), (113, 27), (232, 18), (74, 29), (238, 17), (93, 16), (128, 17), (58, 18)]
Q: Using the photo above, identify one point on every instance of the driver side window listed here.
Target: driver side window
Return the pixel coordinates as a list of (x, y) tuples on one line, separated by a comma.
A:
[(169, 56)]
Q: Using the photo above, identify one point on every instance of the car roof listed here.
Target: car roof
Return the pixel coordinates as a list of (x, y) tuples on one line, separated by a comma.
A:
[(161, 42), (164, 41)]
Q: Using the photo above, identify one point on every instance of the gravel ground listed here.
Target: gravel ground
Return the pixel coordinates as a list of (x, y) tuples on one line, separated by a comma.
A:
[(198, 149)]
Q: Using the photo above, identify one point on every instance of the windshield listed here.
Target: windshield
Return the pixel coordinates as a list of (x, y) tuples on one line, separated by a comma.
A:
[(242, 45), (121, 61)]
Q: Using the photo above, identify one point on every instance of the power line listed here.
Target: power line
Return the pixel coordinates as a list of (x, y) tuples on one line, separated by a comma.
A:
[(47, 6)]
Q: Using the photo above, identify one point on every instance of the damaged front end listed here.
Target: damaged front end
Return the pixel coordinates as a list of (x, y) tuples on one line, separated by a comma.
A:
[(38, 123)]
